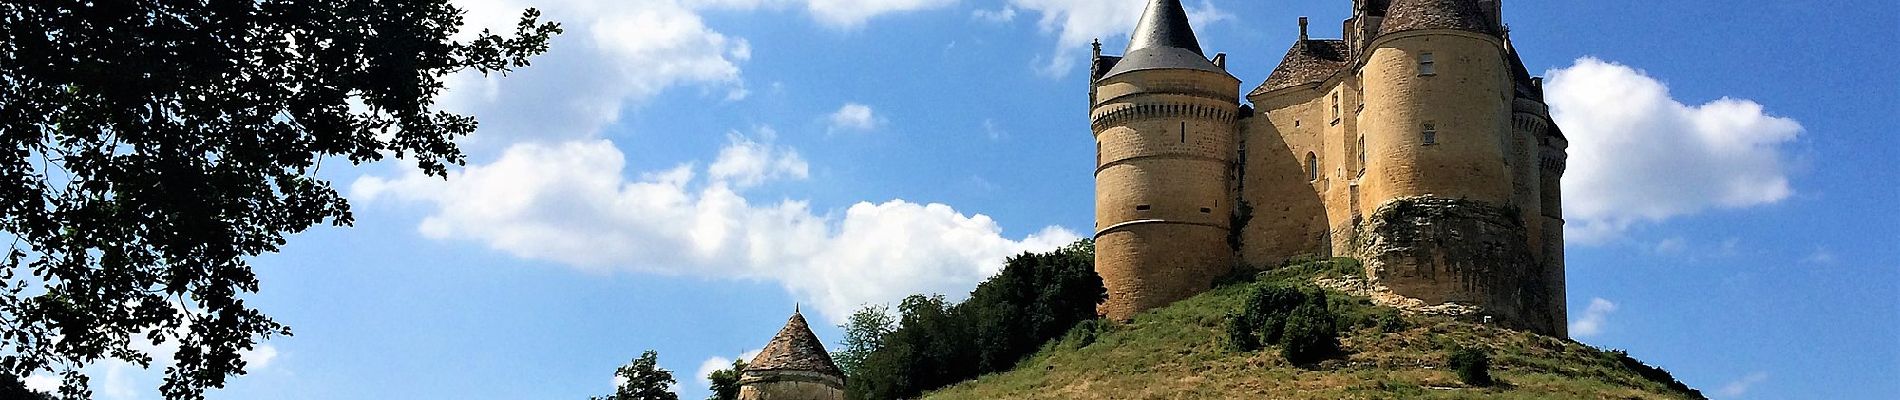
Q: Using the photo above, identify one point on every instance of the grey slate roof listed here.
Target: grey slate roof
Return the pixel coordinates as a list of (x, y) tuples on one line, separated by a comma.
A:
[(1163, 40), (795, 349), (1309, 61), (1465, 15)]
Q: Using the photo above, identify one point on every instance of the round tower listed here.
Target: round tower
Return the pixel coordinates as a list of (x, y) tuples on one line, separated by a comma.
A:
[(1163, 117), (1437, 112)]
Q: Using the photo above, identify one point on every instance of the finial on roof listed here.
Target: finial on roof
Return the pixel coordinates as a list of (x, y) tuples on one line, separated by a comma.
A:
[(795, 308), (1303, 23)]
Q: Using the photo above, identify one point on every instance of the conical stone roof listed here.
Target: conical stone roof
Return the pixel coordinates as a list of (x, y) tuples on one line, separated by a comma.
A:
[(1164, 40), (795, 349)]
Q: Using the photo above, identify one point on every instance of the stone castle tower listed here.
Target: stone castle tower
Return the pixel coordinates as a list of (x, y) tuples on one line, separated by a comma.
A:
[(1419, 143), (793, 366)]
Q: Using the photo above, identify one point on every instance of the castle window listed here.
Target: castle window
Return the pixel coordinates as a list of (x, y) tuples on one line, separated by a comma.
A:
[(1430, 135), (1312, 167), (1362, 156), (1335, 108), (1206, 210), (1427, 64), (1143, 207)]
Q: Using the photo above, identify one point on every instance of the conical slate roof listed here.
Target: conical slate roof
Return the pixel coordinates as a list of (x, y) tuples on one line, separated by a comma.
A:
[(1164, 40), (795, 349)]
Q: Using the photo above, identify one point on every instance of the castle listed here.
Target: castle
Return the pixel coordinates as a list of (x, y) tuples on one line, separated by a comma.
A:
[(793, 366), (1418, 143)]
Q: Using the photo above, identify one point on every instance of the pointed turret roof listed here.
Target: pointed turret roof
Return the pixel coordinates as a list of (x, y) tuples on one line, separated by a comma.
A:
[(795, 349), (1164, 40)]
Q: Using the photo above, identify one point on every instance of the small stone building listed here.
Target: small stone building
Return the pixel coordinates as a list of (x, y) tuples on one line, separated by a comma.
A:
[(793, 366)]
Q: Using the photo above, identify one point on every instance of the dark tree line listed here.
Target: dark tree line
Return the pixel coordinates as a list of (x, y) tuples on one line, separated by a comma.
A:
[(933, 343)]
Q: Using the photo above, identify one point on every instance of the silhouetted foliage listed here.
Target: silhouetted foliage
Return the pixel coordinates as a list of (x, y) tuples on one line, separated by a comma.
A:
[(1473, 365), (153, 147), (1035, 299), (643, 379), (725, 382)]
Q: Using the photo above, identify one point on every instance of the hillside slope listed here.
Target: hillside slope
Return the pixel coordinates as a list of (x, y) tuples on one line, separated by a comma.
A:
[(1177, 352)]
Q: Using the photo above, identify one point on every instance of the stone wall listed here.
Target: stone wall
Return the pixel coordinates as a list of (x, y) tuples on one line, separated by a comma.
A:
[(1440, 250), (790, 385)]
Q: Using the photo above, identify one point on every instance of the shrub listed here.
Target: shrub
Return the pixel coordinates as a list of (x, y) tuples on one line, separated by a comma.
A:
[(1311, 334), (1473, 365), (1240, 334), (1267, 309), (1083, 334), (1391, 322)]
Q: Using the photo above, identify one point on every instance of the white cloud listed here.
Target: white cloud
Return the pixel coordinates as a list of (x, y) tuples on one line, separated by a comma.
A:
[(716, 363), (1741, 386), (570, 203), (258, 358), (747, 163), (1076, 23), (1638, 155), (615, 54), (854, 117), (1593, 319), (41, 382), (618, 54), (1002, 16)]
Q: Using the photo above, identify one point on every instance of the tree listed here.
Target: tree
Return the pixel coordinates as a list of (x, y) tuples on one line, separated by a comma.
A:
[(864, 334), (643, 379), (12, 388), (152, 147), (725, 382)]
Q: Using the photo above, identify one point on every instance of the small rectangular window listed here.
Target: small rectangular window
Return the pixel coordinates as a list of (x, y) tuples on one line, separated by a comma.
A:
[(1205, 210), (1143, 207), (1335, 107), (1427, 64), (1430, 135)]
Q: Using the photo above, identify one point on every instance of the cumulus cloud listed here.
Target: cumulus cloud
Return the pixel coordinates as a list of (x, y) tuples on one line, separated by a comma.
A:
[(618, 54), (1593, 319), (1638, 155), (1075, 23), (615, 54), (747, 163), (854, 117), (571, 203), (1741, 386)]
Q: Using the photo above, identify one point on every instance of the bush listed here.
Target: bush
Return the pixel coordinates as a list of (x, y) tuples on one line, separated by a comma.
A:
[(1083, 334), (1267, 308), (1240, 334), (1311, 334), (1390, 322), (1473, 365)]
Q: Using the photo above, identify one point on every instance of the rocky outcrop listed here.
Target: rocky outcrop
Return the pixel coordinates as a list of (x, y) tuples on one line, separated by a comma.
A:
[(1464, 253)]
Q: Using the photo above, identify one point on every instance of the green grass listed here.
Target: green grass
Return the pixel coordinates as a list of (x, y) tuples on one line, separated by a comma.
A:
[(1176, 352)]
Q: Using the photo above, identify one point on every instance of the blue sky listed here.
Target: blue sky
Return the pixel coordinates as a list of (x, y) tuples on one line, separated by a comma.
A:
[(676, 174)]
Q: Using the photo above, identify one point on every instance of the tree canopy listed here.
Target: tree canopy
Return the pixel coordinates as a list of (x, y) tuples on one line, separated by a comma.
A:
[(643, 379), (152, 147)]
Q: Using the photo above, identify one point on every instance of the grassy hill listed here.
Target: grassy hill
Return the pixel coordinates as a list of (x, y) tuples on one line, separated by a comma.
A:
[(1178, 352)]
